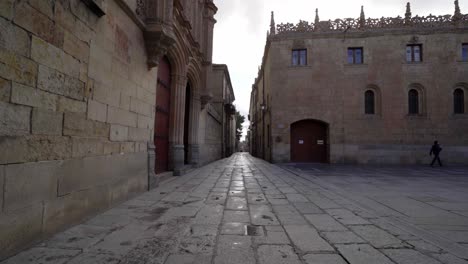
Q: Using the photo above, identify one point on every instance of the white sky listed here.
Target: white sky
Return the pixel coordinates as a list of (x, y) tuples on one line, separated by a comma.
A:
[(240, 33)]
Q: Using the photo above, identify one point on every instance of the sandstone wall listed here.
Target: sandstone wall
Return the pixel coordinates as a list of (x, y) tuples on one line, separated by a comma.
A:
[(76, 114), (331, 90)]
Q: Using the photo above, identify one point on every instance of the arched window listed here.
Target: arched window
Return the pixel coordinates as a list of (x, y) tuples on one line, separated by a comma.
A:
[(459, 101), (413, 102), (369, 102)]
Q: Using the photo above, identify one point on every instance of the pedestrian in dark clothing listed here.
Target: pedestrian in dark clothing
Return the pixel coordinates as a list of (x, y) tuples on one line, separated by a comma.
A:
[(435, 149)]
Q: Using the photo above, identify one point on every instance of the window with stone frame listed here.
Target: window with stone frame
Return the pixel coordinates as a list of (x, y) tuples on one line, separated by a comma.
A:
[(465, 52), (414, 53), (369, 102), (458, 101), (356, 55), (299, 57), (413, 102)]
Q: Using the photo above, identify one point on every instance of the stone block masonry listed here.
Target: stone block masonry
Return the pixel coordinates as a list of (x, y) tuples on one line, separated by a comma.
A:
[(73, 128)]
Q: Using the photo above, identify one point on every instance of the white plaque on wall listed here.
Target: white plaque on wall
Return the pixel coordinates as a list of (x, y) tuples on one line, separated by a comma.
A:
[(301, 142), (320, 142)]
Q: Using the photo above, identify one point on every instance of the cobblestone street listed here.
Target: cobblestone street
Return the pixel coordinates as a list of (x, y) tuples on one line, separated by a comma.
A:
[(244, 210)]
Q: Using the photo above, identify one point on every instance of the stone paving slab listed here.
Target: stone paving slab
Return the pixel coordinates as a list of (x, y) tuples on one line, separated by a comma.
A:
[(244, 210)]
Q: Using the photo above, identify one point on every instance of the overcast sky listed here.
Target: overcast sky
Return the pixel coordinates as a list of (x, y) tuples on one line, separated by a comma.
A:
[(240, 33)]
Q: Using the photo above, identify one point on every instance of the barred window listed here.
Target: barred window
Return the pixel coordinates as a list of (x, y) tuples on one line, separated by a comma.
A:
[(355, 56), (414, 53)]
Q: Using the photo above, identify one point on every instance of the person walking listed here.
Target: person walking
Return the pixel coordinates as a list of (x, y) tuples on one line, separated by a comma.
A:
[(435, 149)]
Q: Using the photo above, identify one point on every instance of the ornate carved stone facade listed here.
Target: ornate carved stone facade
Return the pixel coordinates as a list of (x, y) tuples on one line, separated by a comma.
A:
[(78, 105), (381, 90)]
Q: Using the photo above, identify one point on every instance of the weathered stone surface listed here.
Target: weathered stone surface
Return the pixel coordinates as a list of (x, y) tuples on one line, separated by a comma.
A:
[(85, 173), (377, 237), (236, 216), (97, 111), (111, 148), (80, 237), (139, 134), (58, 83), (18, 229), (17, 68), (105, 94), (40, 148), (127, 147), (307, 208), (306, 238), (44, 255), (324, 222), (6, 9), (75, 47), (2, 181), (272, 237), (347, 217), (277, 255), (342, 237), (54, 58), (234, 249), (73, 208), (236, 203), (121, 117), (262, 215), (26, 95), (46, 122), (140, 107), (86, 147), (5, 90), (46, 7), (69, 105), (14, 38), (38, 23), (233, 229), (30, 184), (76, 124), (210, 215), (362, 253), (118, 133), (409, 256), (324, 259), (14, 119)]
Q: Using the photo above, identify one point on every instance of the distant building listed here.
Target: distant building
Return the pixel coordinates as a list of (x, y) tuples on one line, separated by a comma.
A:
[(363, 90)]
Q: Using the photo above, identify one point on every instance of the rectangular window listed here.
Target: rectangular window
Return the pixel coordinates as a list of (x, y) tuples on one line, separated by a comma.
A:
[(414, 53), (355, 56), (299, 57), (465, 52)]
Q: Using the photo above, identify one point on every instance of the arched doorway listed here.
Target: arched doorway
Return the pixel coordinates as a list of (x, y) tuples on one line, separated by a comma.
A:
[(309, 141), (163, 106)]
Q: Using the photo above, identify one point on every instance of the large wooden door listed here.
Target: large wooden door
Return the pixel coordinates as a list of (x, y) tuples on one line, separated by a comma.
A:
[(163, 106), (309, 141)]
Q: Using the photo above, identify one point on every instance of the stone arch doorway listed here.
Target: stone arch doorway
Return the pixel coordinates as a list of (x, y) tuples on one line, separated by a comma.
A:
[(162, 118), (309, 141)]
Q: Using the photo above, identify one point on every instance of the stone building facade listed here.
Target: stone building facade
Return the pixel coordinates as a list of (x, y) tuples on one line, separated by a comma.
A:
[(93, 94), (363, 90), (217, 130)]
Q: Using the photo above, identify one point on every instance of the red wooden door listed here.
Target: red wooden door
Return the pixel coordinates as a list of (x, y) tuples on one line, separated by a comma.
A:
[(163, 106), (309, 141)]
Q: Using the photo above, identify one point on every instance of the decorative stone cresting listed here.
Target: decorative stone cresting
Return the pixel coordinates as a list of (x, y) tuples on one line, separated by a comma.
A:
[(458, 20)]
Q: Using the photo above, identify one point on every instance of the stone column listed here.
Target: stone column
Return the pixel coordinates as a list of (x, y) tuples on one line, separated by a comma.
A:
[(194, 146), (176, 139)]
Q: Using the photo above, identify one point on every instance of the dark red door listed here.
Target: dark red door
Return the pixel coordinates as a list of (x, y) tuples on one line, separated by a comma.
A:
[(309, 141), (163, 106)]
